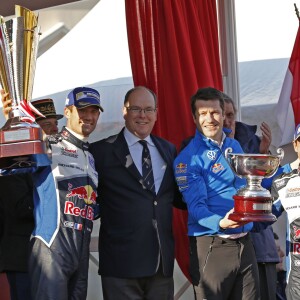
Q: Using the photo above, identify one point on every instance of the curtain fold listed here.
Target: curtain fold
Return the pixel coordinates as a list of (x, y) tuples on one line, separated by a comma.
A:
[(174, 50)]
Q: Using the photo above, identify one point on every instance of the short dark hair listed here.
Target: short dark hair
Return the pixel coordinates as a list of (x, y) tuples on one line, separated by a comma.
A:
[(136, 88), (206, 94)]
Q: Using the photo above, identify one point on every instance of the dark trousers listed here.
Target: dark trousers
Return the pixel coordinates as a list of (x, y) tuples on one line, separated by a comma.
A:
[(267, 280), (56, 273), (227, 269), (19, 285), (157, 287)]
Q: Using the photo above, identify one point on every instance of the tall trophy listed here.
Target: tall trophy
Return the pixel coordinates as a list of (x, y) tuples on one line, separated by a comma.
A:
[(253, 202), (20, 137)]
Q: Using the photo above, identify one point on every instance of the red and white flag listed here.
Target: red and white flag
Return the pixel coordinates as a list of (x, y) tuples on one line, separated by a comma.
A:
[(288, 106)]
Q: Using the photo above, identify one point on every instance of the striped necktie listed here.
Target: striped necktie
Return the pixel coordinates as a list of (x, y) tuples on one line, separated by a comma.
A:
[(147, 170)]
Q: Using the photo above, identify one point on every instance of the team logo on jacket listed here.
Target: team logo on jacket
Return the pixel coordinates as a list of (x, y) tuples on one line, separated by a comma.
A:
[(86, 212), (65, 134), (296, 233), (181, 180), (181, 168), (293, 192), (211, 154), (85, 193), (279, 183), (217, 168), (69, 152), (74, 225)]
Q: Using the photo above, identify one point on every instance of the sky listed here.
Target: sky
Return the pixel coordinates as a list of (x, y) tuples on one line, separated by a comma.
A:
[(265, 29)]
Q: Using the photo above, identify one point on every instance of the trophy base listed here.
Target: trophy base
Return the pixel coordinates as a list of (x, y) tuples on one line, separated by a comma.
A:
[(243, 217), (18, 155), (252, 209), (18, 142)]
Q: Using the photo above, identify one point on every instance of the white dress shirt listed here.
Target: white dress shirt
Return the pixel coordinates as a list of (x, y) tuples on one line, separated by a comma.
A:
[(135, 149)]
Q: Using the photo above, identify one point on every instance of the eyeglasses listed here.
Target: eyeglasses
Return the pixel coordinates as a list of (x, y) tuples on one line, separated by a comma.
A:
[(137, 110)]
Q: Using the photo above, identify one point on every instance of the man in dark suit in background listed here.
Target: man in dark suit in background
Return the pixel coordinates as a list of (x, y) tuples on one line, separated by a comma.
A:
[(16, 209), (136, 246)]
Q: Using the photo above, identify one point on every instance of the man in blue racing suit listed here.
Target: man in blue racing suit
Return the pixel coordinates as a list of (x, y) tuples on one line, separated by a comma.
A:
[(64, 202), (222, 262), (286, 192)]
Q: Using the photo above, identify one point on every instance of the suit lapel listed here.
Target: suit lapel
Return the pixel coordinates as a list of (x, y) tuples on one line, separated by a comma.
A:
[(168, 160), (162, 150)]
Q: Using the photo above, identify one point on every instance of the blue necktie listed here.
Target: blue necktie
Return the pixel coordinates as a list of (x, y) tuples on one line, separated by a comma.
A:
[(147, 170)]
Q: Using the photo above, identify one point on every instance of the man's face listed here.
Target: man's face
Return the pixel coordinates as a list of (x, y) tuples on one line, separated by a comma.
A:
[(229, 121), (49, 125), (140, 123), (209, 118), (296, 144), (82, 121)]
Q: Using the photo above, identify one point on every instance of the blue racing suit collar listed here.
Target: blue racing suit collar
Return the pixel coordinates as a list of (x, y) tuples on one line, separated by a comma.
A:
[(201, 139)]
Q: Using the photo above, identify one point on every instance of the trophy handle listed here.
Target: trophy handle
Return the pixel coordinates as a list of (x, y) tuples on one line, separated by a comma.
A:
[(228, 150), (280, 151)]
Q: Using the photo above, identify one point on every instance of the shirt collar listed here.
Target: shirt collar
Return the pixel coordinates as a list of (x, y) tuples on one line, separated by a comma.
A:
[(204, 138), (133, 139), (222, 140)]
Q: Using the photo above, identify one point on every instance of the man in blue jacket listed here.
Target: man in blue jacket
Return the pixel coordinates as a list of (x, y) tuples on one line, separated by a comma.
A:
[(223, 264)]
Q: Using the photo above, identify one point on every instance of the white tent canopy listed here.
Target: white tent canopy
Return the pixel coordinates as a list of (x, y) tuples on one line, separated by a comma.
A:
[(96, 49)]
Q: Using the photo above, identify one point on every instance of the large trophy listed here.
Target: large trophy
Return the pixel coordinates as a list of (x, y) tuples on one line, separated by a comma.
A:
[(253, 202), (20, 137)]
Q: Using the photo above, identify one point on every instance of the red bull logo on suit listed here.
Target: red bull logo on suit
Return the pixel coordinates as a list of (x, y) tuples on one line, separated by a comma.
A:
[(85, 193)]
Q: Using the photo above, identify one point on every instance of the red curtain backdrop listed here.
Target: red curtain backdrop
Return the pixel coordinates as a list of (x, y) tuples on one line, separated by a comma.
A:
[(174, 50)]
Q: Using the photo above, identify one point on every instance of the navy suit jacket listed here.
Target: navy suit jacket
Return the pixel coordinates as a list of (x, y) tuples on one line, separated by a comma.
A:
[(130, 240)]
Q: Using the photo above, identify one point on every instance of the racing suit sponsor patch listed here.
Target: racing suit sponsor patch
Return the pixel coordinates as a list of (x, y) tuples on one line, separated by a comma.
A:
[(87, 212), (296, 233), (76, 226), (181, 168), (295, 248), (292, 192), (181, 180), (217, 168), (279, 183), (85, 193), (212, 155), (69, 152)]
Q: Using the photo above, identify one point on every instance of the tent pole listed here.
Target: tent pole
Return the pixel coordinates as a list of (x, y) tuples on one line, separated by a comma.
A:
[(228, 51)]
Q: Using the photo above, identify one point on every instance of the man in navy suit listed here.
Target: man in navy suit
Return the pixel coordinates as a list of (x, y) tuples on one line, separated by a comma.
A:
[(136, 246)]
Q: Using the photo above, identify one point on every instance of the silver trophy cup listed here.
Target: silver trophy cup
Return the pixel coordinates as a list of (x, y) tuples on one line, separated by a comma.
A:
[(20, 137), (253, 202)]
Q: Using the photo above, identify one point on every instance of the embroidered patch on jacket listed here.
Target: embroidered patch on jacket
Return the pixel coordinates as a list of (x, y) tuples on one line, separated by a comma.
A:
[(296, 231), (292, 192), (180, 168), (181, 180), (211, 154), (279, 183), (217, 168), (69, 152), (76, 226)]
